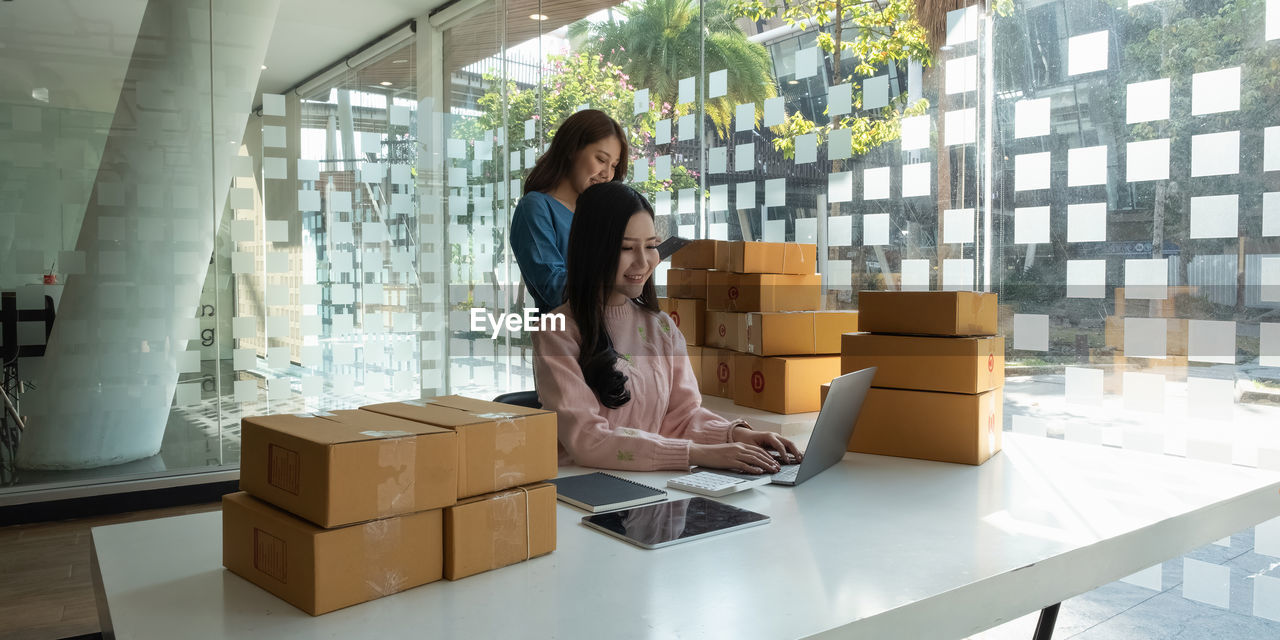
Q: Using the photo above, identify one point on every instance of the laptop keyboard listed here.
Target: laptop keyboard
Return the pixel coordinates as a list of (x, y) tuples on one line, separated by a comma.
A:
[(788, 473)]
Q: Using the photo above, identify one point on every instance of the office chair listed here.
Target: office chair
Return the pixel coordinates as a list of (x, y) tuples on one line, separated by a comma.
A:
[(520, 399)]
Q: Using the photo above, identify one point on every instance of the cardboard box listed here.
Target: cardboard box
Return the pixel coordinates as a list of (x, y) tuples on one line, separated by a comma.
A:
[(783, 384), (338, 467), (499, 529), (935, 313), (717, 372), (763, 292), (1113, 332), (687, 314), (797, 332), (822, 394), (955, 365), (687, 283), (702, 254), (320, 570), (930, 425), (499, 445), (774, 257), (725, 330)]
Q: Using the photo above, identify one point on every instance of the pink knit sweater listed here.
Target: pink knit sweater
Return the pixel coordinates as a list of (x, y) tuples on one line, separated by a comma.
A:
[(652, 431)]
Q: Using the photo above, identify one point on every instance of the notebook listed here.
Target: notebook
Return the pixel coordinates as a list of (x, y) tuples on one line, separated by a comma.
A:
[(596, 492)]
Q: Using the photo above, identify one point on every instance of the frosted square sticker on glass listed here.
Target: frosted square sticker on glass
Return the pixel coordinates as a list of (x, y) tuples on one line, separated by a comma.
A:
[(278, 357), (962, 75), (875, 92), (1031, 171), (807, 148), (840, 187), (1086, 166), (1031, 225), (1269, 280), (875, 183), (1143, 392), (686, 203), (685, 90), (1086, 278), (1215, 154), (662, 132), (1269, 345), (662, 167), (1087, 53), (189, 393), (775, 192), (917, 179), (1145, 337), (1087, 222), (744, 117), (530, 126), (915, 275), (719, 197), (241, 199), (1147, 101), (717, 160), (806, 230), (242, 230), (774, 111), (686, 129), (1029, 426), (1031, 332), (744, 157), (1266, 597), (1271, 213), (399, 116), (273, 136), (840, 231), (241, 262), (775, 230), (640, 170), (806, 62), (875, 229), (1273, 19), (1083, 386), (1146, 279), (662, 205), (957, 226), (745, 198), (242, 167), (915, 133), (277, 295), (277, 230), (1031, 118), (839, 274), (246, 390), (1147, 160), (1215, 216), (1271, 149), (244, 327), (639, 105), (961, 126), (272, 104), (274, 169), (957, 275), (1211, 399), (277, 262), (1206, 582), (839, 144), (243, 359), (1215, 91), (962, 25), (308, 200), (717, 83), (839, 99), (718, 231)]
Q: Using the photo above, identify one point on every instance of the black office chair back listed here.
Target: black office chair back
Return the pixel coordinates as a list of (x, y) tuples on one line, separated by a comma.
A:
[(520, 399)]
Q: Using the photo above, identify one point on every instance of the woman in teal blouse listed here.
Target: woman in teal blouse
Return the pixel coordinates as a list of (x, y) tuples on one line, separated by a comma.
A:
[(589, 148)]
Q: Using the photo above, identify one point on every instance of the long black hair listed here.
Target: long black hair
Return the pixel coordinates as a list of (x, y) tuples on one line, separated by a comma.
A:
[(575, 133), (595, 241)]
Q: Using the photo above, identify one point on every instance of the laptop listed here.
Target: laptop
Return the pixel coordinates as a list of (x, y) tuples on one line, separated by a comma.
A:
[(831, 432)]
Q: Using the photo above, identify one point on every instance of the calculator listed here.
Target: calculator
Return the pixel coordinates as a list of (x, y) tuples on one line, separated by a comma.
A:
[(715, 484)]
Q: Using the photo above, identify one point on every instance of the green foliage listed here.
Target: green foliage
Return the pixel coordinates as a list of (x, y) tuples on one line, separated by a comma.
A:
[(659, 43), (874, 33)]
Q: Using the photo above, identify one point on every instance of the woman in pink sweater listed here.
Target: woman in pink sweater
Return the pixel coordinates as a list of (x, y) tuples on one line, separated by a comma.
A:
[(618, 376)]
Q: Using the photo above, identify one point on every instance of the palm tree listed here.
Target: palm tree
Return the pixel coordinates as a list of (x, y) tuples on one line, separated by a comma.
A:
[(657, 43)]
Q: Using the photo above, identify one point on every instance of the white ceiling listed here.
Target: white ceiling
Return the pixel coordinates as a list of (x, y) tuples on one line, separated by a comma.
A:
[(80, 49)]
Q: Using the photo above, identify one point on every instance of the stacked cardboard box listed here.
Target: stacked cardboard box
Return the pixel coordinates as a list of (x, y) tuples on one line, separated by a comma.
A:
[(764, 344), (939, 365), (338, 508)]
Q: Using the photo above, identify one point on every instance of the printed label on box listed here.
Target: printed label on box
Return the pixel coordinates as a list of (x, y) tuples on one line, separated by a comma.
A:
[(283, 469), (269, 555)]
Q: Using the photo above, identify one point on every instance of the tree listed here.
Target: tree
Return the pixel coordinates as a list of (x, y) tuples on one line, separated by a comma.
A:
[(657, 43)]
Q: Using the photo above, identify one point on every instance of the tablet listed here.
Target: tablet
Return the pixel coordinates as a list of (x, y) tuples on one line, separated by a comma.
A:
[(667, 523)]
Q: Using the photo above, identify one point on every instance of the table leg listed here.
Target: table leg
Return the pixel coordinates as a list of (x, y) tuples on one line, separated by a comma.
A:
[(1048, 617)]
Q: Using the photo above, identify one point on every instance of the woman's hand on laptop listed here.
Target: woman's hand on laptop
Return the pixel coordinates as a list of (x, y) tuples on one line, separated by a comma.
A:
[(786, 450), (734, 456)]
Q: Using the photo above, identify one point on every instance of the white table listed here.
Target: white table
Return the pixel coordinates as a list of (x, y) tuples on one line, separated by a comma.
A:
[(875, 547)]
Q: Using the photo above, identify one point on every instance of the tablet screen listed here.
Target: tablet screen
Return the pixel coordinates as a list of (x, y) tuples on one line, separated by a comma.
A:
[(666, 523)]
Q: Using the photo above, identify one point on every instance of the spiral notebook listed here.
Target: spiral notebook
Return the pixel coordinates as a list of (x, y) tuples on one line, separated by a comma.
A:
[(598, 491)]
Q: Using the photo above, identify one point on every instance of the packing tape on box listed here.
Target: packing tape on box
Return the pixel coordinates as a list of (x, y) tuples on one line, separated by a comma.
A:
[(505, 512), (398, 452), (508, 438), (382, 575)]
